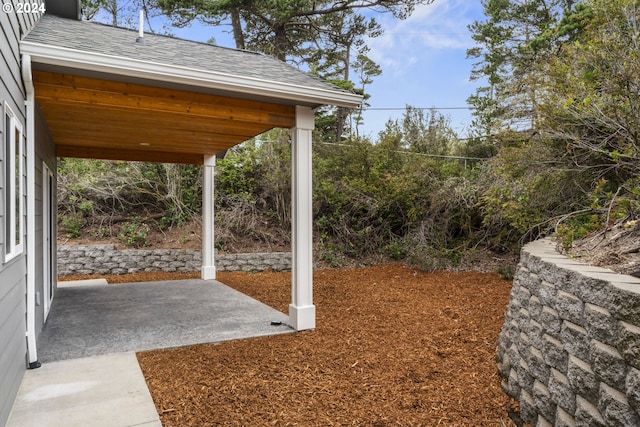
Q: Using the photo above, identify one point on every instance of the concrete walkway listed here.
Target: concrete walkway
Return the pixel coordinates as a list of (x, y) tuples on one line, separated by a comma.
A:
[(90, 375), (99, 391)]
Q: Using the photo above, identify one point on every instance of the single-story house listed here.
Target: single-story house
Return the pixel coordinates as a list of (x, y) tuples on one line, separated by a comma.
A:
[(79, 89)]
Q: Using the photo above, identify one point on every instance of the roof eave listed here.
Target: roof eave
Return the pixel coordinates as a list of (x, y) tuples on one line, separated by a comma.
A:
[(77, 59)]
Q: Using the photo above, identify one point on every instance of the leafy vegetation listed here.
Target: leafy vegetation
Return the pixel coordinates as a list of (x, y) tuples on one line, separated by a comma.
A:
[(573, 166), (554, 149)]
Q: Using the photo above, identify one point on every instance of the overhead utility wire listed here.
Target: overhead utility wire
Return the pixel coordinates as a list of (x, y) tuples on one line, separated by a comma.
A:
[(419, 33), (411, 152), (416, 108)]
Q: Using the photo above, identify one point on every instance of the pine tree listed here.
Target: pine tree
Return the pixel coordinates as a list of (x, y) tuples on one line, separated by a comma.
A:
[(507, 56)]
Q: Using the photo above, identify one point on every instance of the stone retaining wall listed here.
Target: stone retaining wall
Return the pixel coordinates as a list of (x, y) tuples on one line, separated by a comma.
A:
[(569, 351), (106, 259)]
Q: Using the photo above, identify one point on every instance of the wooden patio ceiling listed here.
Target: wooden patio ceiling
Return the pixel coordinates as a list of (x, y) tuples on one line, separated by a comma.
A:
[(102, 119)]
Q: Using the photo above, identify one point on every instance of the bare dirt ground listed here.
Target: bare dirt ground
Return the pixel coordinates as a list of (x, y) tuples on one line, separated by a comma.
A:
[(393, 346), (616, 248)]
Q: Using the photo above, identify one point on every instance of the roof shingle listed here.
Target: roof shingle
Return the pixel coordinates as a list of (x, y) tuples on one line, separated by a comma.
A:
[(92, 37)]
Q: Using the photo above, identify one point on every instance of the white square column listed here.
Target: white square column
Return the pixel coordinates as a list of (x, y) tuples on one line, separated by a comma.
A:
[(302, 312), (208, 203)]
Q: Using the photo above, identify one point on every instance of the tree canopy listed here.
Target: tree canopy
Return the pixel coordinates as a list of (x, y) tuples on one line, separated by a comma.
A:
[(554, 148), (569, 71), (326, 38)]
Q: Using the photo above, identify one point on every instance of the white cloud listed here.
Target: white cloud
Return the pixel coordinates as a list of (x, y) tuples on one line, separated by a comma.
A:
[(429, 30)]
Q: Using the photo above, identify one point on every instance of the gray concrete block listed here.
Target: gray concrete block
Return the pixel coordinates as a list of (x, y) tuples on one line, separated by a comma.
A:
[(521, 276), (587, 414), (536, 334), (525, 379), (600, 324), (522, 295), (523, 320), (528, 410), (514, 354), (511, 331), (504, 385), (564, 419), (615, 408), (550, 320), (621, 299), (542, 399), (547, 293), (533, 283), (632, 386), (575, 340), (503, 364), (569, 307), (608, 364), (582, 379), (542, 422), (629, 343), (513, 386), (537, 366), (554, 354), (561, 392), (523, 345), (590, 290), (535, 307)]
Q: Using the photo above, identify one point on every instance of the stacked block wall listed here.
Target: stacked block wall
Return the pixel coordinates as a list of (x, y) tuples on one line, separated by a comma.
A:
[(569, 350), (106, 259)]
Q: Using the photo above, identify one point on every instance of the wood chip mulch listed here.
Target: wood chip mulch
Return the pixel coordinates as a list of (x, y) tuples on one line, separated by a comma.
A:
[(393, 347)]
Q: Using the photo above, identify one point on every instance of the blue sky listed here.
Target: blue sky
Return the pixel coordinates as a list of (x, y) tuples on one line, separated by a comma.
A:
[(423, 62)]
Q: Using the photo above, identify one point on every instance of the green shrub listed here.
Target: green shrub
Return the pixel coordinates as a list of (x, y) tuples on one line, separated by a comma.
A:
[(396, 250), (134, 234), (507, 272), (72, 226)]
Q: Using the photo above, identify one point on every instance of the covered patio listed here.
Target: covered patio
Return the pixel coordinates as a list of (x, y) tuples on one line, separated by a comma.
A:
[(112, 93)]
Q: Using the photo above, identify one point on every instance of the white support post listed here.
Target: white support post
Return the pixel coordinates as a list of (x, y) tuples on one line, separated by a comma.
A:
[(302, 312), (208, 242)]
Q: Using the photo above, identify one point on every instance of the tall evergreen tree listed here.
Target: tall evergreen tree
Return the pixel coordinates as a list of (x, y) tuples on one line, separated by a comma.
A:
[(277, 27), (507, 58)]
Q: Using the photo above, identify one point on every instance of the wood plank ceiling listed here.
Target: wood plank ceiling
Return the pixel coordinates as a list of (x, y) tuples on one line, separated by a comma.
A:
[(101, 119)]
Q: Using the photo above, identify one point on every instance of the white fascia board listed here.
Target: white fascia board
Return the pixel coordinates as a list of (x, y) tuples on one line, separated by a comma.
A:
[(72, 58)]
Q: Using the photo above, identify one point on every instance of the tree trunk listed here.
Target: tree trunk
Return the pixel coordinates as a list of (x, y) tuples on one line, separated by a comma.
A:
[(341, 113), (280, 42), (236, 24)]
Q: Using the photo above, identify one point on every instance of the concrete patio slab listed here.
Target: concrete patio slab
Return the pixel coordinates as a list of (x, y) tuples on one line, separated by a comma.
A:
[(90, 375), (99, 391), (93, 320)]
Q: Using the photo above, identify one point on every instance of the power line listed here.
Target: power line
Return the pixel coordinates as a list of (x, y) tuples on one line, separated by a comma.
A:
[(410, 152), (422, 33), (415, 108)]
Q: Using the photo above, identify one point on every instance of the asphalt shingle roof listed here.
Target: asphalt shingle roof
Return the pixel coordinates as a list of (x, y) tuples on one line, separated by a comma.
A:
[(119, 42)]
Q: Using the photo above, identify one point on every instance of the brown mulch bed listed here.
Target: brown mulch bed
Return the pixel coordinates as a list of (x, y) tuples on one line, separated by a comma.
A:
[(393, 346)]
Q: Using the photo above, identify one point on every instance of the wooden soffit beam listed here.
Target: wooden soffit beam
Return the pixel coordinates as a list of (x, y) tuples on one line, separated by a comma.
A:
[(98, 118)]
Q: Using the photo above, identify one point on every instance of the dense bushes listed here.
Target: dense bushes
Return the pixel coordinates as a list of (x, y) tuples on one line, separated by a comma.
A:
[(385, 198), (571, 168), (91, 191), (555, 148), (388, 198)]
